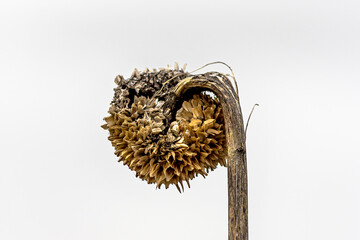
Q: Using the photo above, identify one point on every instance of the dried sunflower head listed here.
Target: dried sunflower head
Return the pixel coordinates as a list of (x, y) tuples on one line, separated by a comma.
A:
[(164, 139)]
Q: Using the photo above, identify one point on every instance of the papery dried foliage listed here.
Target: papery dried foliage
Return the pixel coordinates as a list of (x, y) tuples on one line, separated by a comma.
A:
[(161, 143)]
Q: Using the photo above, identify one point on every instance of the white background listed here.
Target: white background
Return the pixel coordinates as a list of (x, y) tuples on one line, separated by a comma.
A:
[(59, 178)]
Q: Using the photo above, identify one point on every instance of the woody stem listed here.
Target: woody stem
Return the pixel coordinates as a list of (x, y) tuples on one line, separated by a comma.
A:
[(237, 167)]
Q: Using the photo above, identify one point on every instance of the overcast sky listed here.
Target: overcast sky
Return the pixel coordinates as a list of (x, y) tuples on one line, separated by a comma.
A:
[(59, 178)]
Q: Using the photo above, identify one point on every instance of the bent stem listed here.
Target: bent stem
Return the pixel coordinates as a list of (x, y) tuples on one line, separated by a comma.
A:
[(237, 168)]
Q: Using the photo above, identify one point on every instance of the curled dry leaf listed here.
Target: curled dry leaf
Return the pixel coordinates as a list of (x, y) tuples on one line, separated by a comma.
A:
[(162, 143)]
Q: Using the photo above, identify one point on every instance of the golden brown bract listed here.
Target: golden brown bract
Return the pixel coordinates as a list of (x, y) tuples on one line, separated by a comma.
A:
[(162, 149)]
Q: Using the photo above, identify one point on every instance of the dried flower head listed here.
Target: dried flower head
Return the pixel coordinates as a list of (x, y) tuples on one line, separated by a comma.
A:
[(164, 139)]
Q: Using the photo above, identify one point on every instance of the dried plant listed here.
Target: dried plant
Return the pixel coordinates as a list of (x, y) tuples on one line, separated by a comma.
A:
[(165, 128), (163, 138)]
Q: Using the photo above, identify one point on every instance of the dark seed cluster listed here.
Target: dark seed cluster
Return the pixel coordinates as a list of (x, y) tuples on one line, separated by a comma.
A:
[(163, 139)]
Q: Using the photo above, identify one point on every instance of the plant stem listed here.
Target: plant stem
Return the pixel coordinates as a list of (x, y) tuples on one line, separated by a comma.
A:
[(235, 135)]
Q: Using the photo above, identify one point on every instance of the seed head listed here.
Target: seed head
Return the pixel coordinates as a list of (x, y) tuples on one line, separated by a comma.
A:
[(164, 139)]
